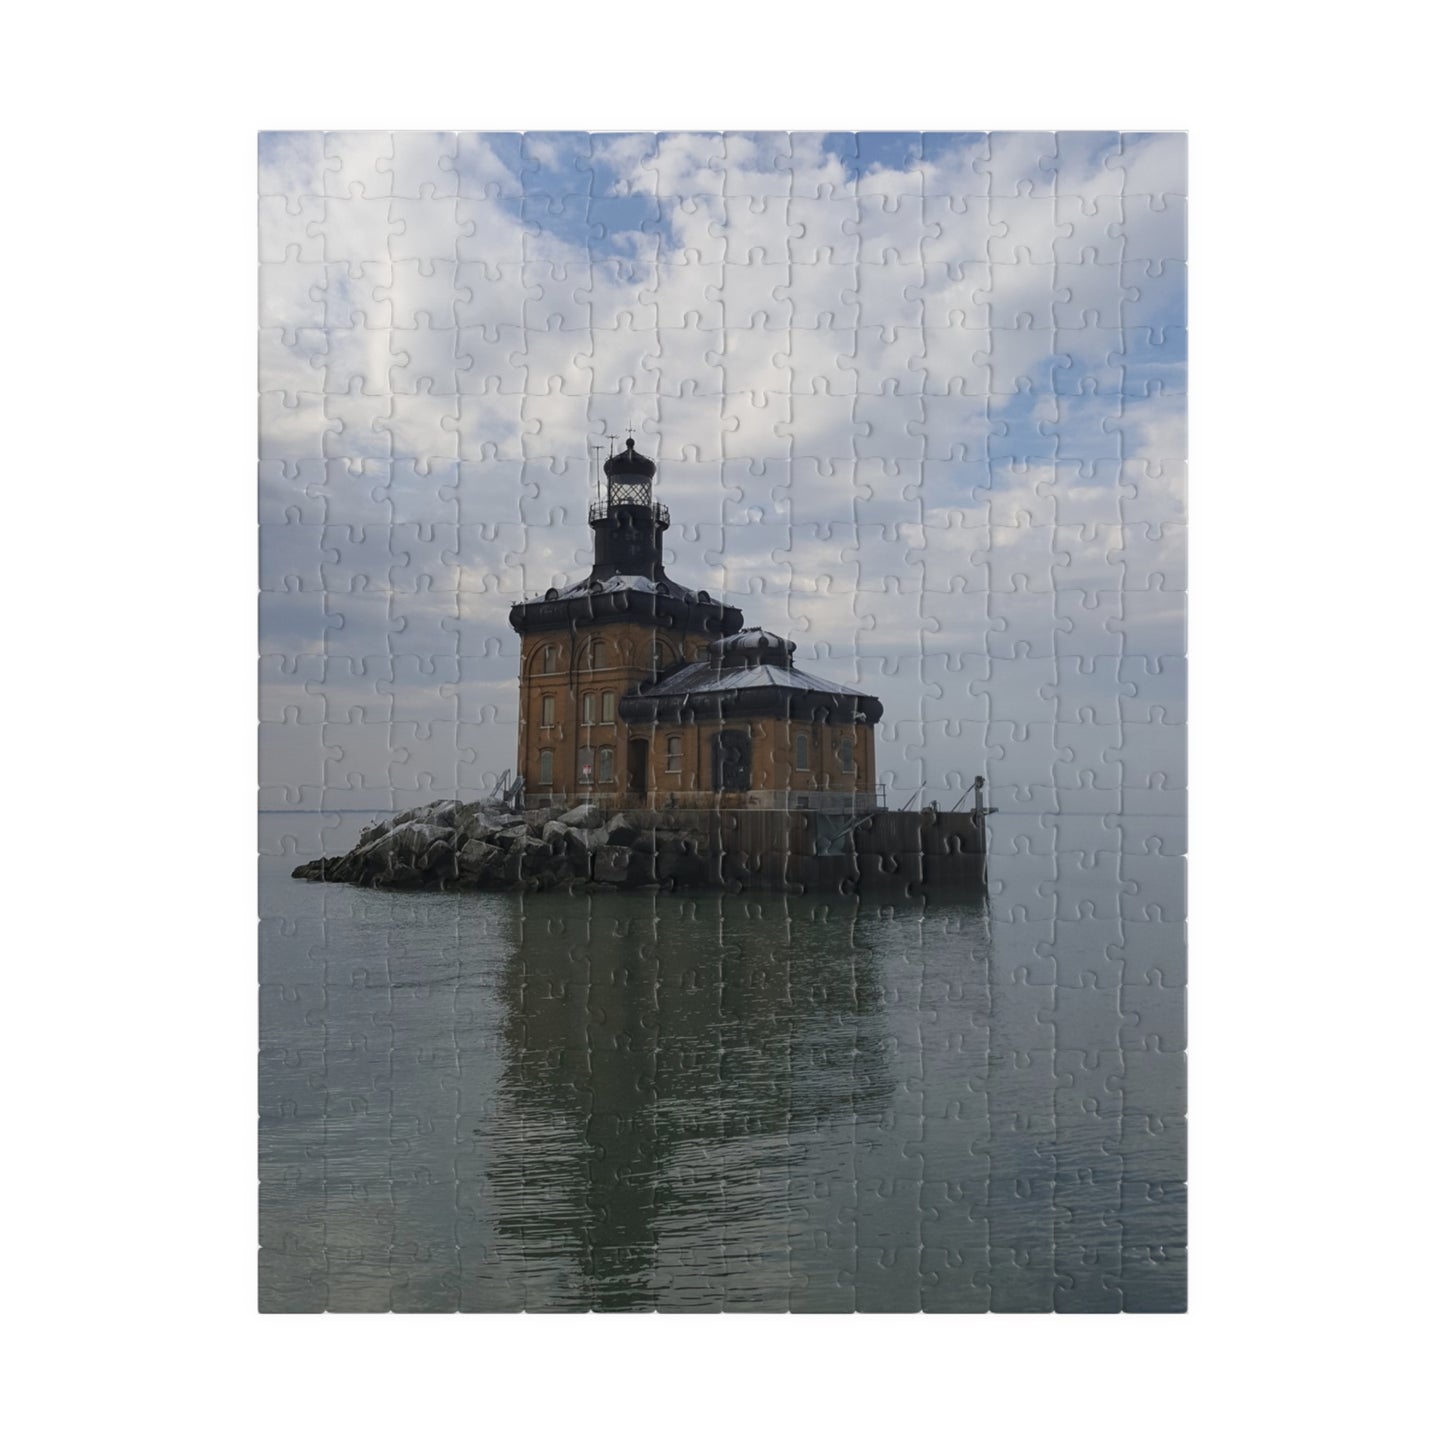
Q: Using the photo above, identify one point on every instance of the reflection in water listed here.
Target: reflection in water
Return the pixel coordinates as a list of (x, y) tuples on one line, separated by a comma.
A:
[(665, 1066), (714, 1102)]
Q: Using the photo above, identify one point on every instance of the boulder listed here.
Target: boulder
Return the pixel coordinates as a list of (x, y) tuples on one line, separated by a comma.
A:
[(441, 812), (577, 852), (471, 821), (586, 816), (620, 865), (399, 875), (555, 874), (481, 862), (485, 845), (440, 860), (410, 841)]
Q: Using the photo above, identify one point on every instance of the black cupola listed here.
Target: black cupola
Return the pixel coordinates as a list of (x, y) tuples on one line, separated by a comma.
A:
[(630, 463)]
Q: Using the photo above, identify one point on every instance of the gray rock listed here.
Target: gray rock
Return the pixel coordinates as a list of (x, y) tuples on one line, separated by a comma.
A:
[(440, 860), (483, 845), (476, 857), (586, 816), (406, 843), (615, 864)]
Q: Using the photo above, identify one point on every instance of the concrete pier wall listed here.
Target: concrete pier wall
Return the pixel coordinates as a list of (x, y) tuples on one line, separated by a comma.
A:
[(777, 849)]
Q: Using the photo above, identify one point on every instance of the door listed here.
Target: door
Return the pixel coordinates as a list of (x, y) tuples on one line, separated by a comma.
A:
[(637, 767), (732, 761)]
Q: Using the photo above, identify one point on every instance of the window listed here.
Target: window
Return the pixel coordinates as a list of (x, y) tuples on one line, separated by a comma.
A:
[(544, 768), (609, 706), (589, 707), (595, 657), (549, 710), (800, 751), (549, 659), (674, 754), (845, 754), (584, 766), (605, 768)]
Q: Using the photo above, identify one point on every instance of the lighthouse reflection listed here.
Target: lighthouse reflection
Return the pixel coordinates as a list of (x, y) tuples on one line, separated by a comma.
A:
[(665, 1070)]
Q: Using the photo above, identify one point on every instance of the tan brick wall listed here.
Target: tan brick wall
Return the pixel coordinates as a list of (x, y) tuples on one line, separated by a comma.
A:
[(622, 660), (774, 766)]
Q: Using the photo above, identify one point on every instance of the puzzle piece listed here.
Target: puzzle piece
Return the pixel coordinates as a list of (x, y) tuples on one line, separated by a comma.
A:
[(696, 974)]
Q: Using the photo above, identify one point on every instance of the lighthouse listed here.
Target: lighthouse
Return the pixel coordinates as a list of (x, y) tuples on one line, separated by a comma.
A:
[(638, 691)]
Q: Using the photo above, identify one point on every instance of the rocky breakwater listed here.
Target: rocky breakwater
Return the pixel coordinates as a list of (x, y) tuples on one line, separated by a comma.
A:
[(452, 845)]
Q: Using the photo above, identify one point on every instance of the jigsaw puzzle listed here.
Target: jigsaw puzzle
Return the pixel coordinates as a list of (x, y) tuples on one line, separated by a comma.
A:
[(722, 721)]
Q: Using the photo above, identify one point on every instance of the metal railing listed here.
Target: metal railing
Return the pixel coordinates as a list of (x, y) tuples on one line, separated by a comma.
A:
[(596, 511)]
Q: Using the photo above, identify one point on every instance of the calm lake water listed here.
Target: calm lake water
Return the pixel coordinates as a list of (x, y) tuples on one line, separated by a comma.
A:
[(711, 1102)]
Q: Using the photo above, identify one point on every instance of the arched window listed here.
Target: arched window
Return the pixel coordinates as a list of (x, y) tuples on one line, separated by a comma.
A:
[(549, 658), (800, 751), (845, 754), (549, 709), (584, 766), (544, 768), (589, 707), (609, 706), (674, 754), (596, 653), (605, 765)]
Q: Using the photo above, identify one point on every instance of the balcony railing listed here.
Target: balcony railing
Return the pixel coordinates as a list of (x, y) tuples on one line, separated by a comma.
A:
[(660, 515)]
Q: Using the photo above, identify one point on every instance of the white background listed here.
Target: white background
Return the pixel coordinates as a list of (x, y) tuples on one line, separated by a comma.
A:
[(130, 578)]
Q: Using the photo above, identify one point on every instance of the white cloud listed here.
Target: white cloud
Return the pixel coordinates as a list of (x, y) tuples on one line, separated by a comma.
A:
[(849, 381)]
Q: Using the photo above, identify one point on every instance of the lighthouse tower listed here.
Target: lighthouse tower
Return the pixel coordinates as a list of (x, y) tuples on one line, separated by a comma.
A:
[(585, 646)]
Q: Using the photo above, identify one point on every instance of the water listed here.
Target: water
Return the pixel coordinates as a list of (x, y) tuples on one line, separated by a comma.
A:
[(712, 1102)]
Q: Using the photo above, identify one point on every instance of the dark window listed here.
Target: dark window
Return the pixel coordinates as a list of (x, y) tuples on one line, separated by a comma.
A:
[(544, 768), (584, 766), (605, 771), (732, 761)]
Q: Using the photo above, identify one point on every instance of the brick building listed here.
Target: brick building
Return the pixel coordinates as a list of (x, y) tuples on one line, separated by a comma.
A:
[(636, 690)]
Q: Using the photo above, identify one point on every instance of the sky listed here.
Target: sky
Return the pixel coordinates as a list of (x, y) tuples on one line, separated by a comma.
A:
[(918, 403)]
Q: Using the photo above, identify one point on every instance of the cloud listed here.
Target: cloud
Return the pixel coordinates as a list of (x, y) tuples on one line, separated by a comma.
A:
[(916, 401)]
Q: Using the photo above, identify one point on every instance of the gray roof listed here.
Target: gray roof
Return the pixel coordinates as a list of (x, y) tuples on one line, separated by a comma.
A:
[(706, 676)]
